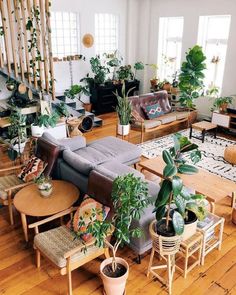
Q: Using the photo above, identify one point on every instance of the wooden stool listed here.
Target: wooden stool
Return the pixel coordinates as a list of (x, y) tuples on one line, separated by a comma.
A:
[(190, 249), (202, 126), (230, 154), (166, 247), (73, 127)]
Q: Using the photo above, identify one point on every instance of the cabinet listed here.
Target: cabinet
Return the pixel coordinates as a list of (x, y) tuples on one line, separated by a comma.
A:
[(227, 120), (104, 99)]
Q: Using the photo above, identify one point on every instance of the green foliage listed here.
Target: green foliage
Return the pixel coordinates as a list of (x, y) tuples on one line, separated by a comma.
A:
[(130, 197), (76, 89), (123, 107), (47, 120), (42, 179), (62, 110), (99, 70), (172, 189), (191, 76), (213, 91), (125, 73), (219, 101)]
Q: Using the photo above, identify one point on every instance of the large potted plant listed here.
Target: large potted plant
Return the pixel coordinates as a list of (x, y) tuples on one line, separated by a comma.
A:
[(123, 110), (191, 79), (177, 210), (43, 121), (221, 103), (130, 198)]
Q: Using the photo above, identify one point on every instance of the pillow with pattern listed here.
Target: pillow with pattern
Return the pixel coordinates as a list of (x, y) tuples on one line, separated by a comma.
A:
[(33, 169), (153, 111), (88, 211)]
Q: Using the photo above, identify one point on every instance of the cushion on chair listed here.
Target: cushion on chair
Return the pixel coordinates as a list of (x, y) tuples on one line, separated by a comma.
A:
[(153, 111), (7, 182), (84, 216), (33, 169), (56, 242)]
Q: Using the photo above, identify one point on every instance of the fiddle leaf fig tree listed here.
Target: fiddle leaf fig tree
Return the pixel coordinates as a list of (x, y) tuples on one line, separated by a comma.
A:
[(129, 197), (191, 76), (173, 191)]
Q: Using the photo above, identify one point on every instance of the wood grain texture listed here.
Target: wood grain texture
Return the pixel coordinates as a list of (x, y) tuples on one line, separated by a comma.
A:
[(19, 275)]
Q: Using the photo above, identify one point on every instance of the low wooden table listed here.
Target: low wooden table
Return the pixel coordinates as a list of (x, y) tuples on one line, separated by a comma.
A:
[(212, 186), (202, 126), (28, 201)]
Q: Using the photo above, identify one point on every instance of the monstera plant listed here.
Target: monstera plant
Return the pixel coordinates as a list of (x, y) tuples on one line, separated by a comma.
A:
[(174, 202), (191, 76)]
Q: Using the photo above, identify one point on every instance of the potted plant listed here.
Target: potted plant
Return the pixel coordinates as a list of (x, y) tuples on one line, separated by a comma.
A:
[(154, 79), (125, 73), (44, 184), (43, 121), (98, 70), (123, 110), (113, 61), (129, 198), (138, 66), (175, 84), (221, 103), (76, 91), (62, 110), (188, 207), (191, 79)]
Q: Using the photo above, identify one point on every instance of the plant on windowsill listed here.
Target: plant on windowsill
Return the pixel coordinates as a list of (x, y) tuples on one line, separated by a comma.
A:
[(129, 197), (188, 207), (191, 79), (123, 110), (138, 66), (221, 103)]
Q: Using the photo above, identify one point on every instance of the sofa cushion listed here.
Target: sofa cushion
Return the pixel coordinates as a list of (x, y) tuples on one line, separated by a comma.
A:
[(112, 169), (153, 111), (167, 118), (79, 163), (116, 148), (94, 155), (148, 124)]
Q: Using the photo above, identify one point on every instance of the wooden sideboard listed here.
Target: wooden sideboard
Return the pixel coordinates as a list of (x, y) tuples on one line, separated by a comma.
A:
[(226, 120)]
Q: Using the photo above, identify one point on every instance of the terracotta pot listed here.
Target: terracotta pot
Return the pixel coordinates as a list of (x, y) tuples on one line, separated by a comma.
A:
[(123, 129), (167, 87), (114, 286), (87, 107), (154, 82), (223, 108), (192, 116)]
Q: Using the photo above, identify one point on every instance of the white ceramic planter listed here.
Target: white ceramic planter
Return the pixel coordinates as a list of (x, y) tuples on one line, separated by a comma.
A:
[(22, 146), (36, 131), (114, 286), (45, 189), (189, 230), (123, 129)]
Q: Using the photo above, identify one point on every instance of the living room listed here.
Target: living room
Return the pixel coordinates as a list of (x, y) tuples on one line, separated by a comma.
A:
[(117, 147)]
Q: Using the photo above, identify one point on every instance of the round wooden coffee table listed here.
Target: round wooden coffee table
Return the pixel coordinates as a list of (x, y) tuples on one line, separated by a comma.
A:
[(28, 201)]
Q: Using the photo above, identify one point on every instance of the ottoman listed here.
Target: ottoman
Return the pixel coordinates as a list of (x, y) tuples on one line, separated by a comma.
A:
[(230, 154)]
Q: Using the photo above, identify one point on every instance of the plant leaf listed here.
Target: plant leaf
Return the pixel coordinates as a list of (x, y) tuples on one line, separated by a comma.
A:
[(187, 169), (164, 193), (169, 170), (167, 157), (178, 223), (177, 185), (181, 204), (160, 212)]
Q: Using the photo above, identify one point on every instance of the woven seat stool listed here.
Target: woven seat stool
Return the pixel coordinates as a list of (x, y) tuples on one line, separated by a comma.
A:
[(166, 247)]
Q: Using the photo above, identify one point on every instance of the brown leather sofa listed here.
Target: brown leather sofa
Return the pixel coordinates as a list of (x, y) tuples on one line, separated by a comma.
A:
[(170, 117)]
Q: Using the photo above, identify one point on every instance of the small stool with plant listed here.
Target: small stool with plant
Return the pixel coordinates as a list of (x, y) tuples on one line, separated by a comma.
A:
[(177, 210)]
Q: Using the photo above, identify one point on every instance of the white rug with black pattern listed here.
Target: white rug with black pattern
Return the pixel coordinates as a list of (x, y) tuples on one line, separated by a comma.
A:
[(212, 152)]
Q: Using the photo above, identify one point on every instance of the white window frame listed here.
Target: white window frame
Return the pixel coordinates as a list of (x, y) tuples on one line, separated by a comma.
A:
[(66, 52), (203, 41), (162, 47), (98, 47)]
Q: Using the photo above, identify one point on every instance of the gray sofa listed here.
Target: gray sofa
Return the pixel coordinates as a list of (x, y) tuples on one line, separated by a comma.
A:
[(106, 158)]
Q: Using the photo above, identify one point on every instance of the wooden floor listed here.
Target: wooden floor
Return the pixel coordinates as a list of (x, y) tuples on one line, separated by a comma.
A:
[(18, 274)]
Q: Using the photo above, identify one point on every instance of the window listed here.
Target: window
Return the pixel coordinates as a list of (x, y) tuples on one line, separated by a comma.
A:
[(65, 34), (213, 35), (106, 33), (169, 46)]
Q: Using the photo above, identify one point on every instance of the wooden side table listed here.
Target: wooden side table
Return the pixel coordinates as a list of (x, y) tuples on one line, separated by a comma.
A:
[(189, 254), (202, 126), (212, 229), (28, 201)]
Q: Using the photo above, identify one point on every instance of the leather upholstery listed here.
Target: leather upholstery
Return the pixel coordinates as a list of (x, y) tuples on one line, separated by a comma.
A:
[(47, 152), (161, 97)]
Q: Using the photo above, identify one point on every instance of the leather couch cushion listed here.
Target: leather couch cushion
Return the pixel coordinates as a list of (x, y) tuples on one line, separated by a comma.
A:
[(116, 148), (79, 163), (112, 169)]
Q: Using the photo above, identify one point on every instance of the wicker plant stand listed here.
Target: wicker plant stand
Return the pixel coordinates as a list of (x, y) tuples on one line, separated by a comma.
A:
[(212, 234), (189, 254), (166, 247)]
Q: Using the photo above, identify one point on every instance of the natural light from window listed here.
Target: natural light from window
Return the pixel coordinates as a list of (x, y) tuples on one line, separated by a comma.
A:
[(106, 33), (65, 34), (213, 36), (169, 46)]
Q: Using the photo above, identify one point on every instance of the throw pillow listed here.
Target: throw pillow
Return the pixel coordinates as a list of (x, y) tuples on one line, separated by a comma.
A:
[(85, 215), (33, 169), (153, 111)]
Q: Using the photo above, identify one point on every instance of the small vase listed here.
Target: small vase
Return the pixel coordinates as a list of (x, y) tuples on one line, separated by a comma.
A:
[(45, 190)]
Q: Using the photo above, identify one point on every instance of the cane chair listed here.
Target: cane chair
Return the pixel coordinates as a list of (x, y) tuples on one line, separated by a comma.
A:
[(166, 247), (10, 183)]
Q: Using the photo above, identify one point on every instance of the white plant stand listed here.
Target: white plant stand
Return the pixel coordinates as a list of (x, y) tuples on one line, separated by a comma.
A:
[(212, 234)]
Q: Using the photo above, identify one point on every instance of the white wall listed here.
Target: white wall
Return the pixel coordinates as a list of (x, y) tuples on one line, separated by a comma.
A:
[(191, 10), (86, 11)]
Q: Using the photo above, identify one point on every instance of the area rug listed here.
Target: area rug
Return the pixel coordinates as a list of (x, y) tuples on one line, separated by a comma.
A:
[(212, 152)]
